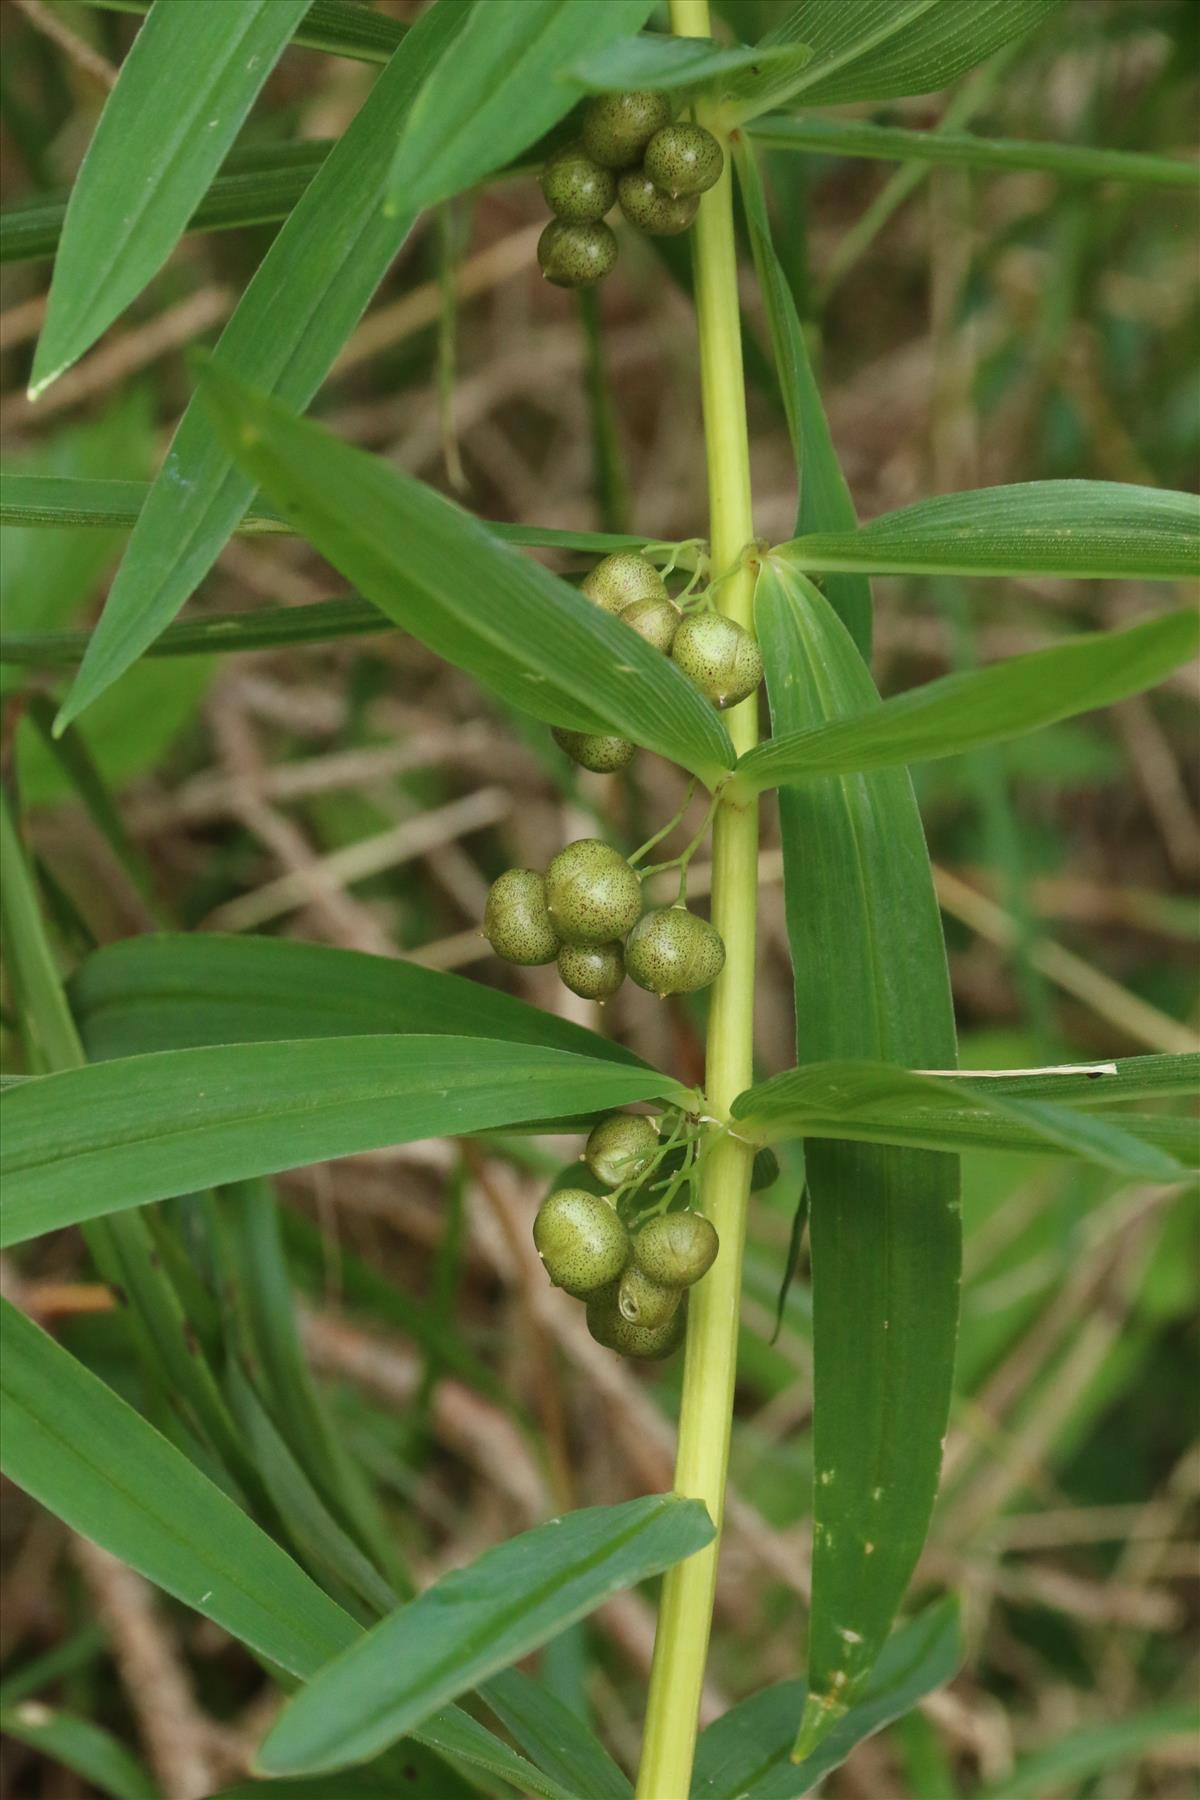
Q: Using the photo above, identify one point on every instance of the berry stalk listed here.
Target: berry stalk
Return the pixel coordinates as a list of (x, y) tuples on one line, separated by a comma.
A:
[(685, 1610)]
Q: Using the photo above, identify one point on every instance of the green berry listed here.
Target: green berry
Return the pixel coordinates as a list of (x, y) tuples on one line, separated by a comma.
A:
[(581, 1240), (578, 190), (610, 1327), (676, 1249), (652, 211), (684, 159), (673, 951), (656, 619), (592, 894), (574, 256), (592, 750), (515, 921), (593, 971), (617, 127), (764, 1171), (622, 578), (621, 1148), (718, 657), (643, 1302)]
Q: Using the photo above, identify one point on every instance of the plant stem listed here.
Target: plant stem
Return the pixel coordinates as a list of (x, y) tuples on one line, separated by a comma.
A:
[(706, 1413)]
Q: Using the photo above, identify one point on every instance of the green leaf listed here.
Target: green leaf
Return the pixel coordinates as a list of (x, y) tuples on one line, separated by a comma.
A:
[(1085, 529), (455, 1733), (77, 1744), (1099, 1749), (179, 101), (981, 706), (520, 630), (497, 91), (306, 297), (92, 1141), (682, 65), (338, 27), (263, 628), (963, 150), (556, 1738), (177, 991), (744, 1755), (871, 982), (474, 1622)]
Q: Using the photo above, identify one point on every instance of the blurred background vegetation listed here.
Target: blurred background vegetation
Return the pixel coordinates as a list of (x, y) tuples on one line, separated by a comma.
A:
[(971, 329)]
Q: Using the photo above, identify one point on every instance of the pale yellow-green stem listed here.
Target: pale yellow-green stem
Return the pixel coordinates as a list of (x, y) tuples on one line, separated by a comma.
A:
[(685, 1610)]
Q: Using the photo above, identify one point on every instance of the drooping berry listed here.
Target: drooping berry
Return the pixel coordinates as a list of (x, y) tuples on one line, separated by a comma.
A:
[(645, 1302), (578, 190), (581, 1240), (718, 657), (609, 1326), (573, 256), (764, 1172), (684, 159), (617, 127), (621, 1148), (593, 971), (673, 951), (676, 1249), (515, 921), (592, 894), (650, 210), (595, 751), (622, 578), (656, 619)]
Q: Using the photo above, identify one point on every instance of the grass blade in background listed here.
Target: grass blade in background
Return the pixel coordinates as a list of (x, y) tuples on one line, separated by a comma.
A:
[(474, 1622), (262, 628), (181, 97), (981, 706), (1101, 1749), (555, 1737), (86, 1749), (682, 65), (338, 27), (443, 576)]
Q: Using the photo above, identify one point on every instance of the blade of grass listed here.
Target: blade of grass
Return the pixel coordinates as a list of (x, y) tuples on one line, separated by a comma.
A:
[(264, 628), (557, 1740), (338, 27), (75, 1743)]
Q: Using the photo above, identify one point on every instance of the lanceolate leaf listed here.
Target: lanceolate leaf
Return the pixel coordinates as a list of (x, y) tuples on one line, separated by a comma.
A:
[(883, 1223), (443, 576), (474, 1622), (555, 1737), (983, 706), (678, 64), (498, 90), (1087, 529), (339, 27), (183, 91), (262, 628), (77, 1744), (112, 1135)]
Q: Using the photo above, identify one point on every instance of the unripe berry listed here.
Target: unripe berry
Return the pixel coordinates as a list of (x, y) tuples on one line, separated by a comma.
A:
[(622, 578), (592, 894), (581, 1240), (610, 1327), (593, 971), (578, 190), (595, 751), (515, 920), (621, 1148), (676, 1249), (644, 1302), (573, 256), (617, 127), (764, 1171), (652, 211), (656, 620), (684, 159), (717, 657), (673, 951)]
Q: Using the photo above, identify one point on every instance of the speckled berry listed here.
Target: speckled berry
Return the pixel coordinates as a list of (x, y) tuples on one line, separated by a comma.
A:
[(684, 159), (673, 951), (622, 578), (593, 971), (718, 657), (610, 1327), (617, 127), (650, 210), (643, 1302), (621, 1148), (581, 1240), (592, 750), (764, 1172), (676, 1249), (592, 894), (578, 190), (515, 920), (656, 619), (574, 256)]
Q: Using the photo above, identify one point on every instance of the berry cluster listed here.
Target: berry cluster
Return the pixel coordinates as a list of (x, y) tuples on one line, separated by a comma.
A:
[(634, 1283), (631, 152)]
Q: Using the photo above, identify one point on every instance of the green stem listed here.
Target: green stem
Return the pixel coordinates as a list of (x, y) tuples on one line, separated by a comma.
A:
[(706, 1412)]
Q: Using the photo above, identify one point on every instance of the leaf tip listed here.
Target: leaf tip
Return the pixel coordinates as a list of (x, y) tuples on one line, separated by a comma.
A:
[(819, 1716)]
